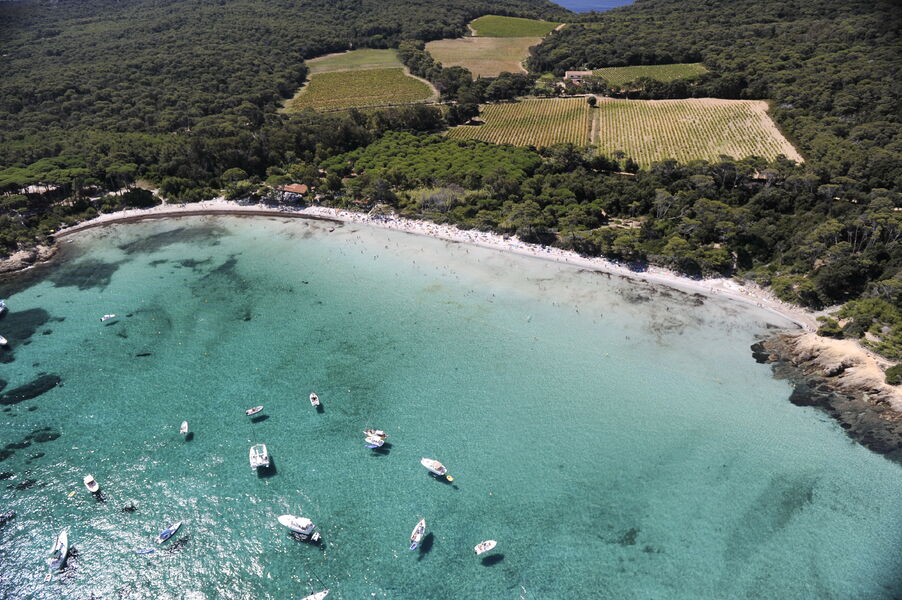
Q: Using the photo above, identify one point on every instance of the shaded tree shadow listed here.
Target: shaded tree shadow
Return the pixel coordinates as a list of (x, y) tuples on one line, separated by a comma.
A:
[(426, 545), (491, 561), (259, 419), (267, 472)]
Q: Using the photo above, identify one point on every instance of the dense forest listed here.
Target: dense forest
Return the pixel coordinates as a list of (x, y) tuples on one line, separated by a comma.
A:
[(95, 96)]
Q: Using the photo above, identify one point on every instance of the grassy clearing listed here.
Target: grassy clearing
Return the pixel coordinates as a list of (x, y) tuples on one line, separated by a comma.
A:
[(354, 60), (510, 27), (349, 89), (621, 75), (534, 122), (484, 56), (698, 128)]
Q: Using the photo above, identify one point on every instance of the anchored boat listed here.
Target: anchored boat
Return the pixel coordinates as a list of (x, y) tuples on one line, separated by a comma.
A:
[(317, 596), (60, 550), (436, 468), (375, 432), (373, 441), (91, 484), (416, 536), (484, 546), (259, 456), (184, 428), (302, 526), (168, 532), (106, 318), (253, 411), (314, 399)]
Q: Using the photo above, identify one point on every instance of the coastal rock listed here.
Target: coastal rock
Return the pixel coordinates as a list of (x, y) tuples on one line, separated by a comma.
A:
[(26, 258), (842, 379)]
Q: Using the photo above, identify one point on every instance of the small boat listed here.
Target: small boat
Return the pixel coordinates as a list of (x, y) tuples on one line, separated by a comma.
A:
[(184, 428), (91, 484), (436, 468), (59, 551), (317, 596), (3, 307), (416, 535), (106, 318), (300, 525), (168, 532), (314, 399), (376, 433), (259, 456), (3, 341), (373, 441), (145, 551), (484, 546), (253, 411)]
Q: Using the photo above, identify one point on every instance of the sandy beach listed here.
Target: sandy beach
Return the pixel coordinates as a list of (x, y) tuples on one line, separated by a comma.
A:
[(746, 293)]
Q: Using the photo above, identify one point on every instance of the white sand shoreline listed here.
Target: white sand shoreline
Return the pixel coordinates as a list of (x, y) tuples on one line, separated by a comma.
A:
[(750, 294)]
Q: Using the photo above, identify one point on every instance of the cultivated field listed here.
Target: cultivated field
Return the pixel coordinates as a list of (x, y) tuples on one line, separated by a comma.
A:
[(484, 56), (371, 87), (354, 60), (535, 122), (621, 75), (510, 27), (698, 128)]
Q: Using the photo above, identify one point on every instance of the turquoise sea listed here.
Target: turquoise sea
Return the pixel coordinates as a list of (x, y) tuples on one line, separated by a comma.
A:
[(617, 439)]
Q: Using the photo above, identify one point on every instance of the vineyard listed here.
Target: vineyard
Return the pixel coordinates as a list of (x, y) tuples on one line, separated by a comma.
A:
[(539, 122), (354, 60), (510, 27), (618, 76), (685, 130), (484, 56), (347, 89)]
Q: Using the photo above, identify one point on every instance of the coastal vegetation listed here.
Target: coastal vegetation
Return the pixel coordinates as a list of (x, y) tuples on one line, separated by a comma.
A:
[(624, 76), (335, 90), (510, 27), (531, 122), (651, 131)]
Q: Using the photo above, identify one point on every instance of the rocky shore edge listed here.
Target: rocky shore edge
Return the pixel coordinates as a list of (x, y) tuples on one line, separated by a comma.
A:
[(24, 259), (842, 379)]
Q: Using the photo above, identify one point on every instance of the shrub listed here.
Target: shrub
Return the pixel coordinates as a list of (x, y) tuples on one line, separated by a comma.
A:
[(894, 375)]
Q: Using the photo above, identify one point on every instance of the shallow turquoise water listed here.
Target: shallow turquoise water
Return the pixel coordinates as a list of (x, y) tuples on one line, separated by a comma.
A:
[(617, 440)]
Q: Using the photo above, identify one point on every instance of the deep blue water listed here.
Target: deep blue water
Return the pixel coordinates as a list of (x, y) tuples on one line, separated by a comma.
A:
[(589, 5)]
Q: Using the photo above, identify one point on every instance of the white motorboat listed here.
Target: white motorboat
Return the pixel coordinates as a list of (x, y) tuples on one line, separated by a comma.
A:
[(106, 318), (3, 341), (259, 456), (375, 432), (317, 596), (314, 399), (300, 525), (373, 441), (484, 546), (91, 484), (184, 428), (253, 411), (416, 535), (168, 532), (3, 307), (59, 551), (436, 468)]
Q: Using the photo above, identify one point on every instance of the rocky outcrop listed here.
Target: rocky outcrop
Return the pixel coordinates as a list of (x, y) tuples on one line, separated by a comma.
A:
[(844, 380), (26, 258)]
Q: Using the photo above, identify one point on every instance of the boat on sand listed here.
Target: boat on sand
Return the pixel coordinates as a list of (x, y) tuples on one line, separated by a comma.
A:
[(484, 546), (91, 484), (436, 468), (416, 536)]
